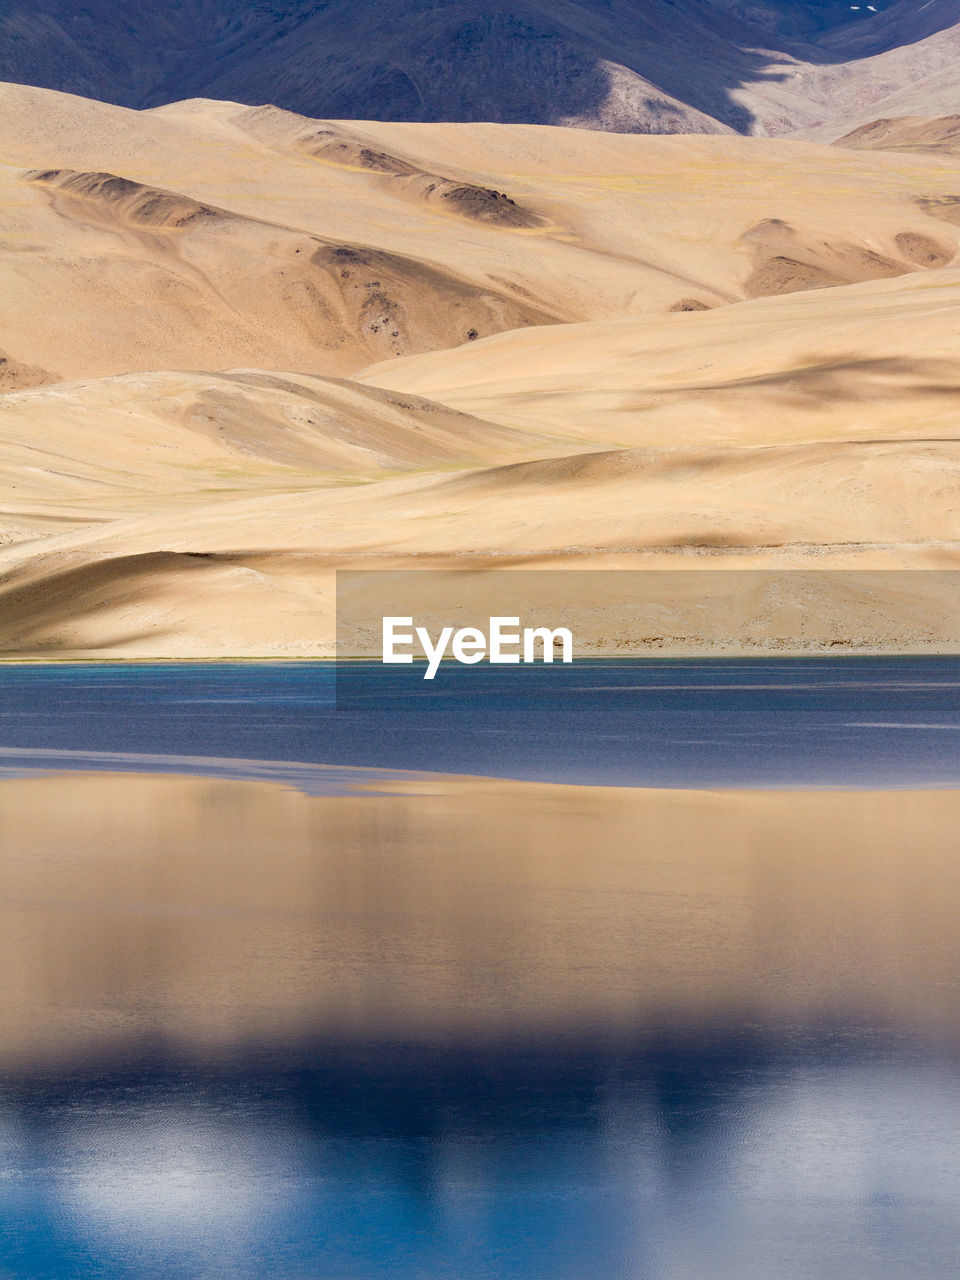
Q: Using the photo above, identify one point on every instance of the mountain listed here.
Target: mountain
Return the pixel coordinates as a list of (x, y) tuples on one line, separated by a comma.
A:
[(633, 66), (243, 349), (208, 236)]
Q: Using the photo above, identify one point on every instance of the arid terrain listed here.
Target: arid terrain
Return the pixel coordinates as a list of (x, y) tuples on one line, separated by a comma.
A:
[(241, 349)]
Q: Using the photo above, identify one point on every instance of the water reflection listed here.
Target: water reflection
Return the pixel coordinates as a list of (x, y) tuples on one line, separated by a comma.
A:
[(475, 1029), (645, 1163)]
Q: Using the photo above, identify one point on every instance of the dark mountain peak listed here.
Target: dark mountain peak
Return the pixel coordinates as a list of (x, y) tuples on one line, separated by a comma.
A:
[(645, 66)]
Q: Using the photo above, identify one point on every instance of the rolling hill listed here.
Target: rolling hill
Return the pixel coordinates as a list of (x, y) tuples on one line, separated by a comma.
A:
[(243, 349)]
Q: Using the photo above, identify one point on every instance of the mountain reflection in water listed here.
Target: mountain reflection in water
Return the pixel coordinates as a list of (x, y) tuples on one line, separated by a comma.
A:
[(460, 1028)]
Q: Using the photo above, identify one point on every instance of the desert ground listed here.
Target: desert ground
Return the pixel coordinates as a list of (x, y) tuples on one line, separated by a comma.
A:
[(241, 349)]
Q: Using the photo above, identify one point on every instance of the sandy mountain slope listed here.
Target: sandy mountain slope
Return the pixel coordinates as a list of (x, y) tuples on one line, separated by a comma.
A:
[(906, 133), (273, 347), (865, 362), (763, 466), (85, 453), (208, 236)]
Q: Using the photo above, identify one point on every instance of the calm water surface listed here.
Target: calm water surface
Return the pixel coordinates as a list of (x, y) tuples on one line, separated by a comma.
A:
[(464, 1029), (819, 722)]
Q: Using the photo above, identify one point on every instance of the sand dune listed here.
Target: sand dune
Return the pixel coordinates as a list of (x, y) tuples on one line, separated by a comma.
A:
[(205, 236), (867, 362), (295, 346), (906, 133), (89, 452), (219, 286), (256, 575), (338, 145)]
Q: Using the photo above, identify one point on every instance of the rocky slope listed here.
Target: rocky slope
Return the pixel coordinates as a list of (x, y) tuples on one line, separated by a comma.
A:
[(647, 66)]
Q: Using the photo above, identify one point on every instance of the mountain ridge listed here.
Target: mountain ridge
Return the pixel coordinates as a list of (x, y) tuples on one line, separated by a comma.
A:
[(630, 66)]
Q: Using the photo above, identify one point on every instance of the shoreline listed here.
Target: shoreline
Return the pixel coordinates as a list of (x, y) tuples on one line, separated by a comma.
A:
[(746, 655), (323, 781)]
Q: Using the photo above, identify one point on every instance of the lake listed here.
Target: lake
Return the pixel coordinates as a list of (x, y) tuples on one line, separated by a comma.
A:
[(771, 722), (667, 990)]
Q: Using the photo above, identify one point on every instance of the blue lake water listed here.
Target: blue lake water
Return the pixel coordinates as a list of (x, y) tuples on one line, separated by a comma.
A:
[(815, 722), (253, 1032)]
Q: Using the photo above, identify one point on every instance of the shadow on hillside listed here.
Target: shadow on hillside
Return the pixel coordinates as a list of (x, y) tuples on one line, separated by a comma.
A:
[(841, 378), (495, 61)]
